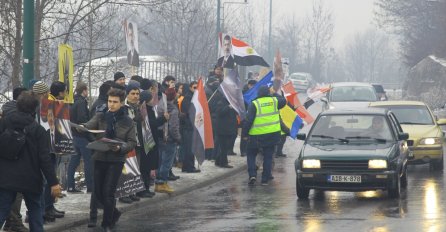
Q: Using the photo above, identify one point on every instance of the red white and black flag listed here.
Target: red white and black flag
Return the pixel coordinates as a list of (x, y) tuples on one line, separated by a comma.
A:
[(234, 51), (200, 117)]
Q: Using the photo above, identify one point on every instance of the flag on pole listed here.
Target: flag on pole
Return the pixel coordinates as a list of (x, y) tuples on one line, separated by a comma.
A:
[(233, 50), (315, 94), (200, 117), (291, 120), (291, 96), (231, 87), (304, 114), (66, 69), (251, 94)]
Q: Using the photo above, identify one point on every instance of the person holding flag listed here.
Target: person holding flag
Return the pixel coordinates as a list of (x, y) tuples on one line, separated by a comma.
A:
[(262, 131)]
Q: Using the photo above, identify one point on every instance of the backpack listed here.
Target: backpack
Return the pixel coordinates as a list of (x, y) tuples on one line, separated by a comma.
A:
[(12, 142)]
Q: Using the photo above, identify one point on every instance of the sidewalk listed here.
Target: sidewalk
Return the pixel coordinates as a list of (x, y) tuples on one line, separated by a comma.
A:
[(77, 209)]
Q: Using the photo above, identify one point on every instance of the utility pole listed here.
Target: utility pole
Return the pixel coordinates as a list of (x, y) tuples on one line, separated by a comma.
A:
[(270, 57), (28, 41), (218, 22)]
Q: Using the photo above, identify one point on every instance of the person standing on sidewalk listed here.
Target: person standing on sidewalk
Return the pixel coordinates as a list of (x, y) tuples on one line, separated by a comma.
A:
[(262, 131), (132, 106), (168, 145), (108, 165), (14, 221), (226, 129), (80, 114), (187, 131), (24, 175)]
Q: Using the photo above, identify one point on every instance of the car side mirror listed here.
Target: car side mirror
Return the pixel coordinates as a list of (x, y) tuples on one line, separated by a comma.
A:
[(403, 136), (301, 136), (441, 121)]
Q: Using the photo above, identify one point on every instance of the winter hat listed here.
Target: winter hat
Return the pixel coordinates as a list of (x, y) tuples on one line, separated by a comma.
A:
[(32, 82), (118, 75), (146, 84), (263, 91), (170, 94), (145, 96), (131, 86), (40, 87)]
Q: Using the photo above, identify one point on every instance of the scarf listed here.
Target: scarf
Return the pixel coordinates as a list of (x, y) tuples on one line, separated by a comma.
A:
[(111, 118)]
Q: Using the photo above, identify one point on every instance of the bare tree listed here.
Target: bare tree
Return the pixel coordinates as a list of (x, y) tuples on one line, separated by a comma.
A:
[(317, 37)]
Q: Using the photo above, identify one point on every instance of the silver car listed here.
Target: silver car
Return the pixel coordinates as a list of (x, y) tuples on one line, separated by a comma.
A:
[(348, 95)]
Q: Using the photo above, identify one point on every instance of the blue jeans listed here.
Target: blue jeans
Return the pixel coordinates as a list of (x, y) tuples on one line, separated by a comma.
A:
[(167, 155), (33, 204), (267, 162), (80, 145)]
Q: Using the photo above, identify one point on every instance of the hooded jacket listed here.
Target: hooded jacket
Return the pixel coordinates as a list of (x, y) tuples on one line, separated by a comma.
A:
[(25, 174), (9, 107)]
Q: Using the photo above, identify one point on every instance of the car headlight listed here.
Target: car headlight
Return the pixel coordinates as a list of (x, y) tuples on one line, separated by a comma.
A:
[(311, 163), (377, 164), (430, 141)]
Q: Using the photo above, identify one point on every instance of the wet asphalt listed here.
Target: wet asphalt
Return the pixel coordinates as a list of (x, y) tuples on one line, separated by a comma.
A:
[(231, 205)]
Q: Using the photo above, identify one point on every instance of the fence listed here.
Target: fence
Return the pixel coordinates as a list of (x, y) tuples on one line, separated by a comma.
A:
[(183, 71)]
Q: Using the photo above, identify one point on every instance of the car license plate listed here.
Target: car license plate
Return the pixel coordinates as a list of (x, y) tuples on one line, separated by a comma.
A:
[(344, 178)]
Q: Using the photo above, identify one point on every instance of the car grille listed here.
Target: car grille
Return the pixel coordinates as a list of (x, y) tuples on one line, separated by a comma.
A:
[(410, 143), (345, 165)]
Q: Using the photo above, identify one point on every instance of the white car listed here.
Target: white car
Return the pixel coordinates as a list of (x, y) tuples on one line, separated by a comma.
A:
[(301, 80), (348, 95)]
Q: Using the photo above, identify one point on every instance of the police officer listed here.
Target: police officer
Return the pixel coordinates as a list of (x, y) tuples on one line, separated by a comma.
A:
[(262, 131)]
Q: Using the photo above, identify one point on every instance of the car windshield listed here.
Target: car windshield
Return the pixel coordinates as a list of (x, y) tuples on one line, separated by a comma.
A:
[(417, 115), (298, 77), (352, 93), (351, 128)]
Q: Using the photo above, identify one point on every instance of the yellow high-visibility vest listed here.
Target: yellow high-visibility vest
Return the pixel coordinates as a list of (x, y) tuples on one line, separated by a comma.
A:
[(267, 118)]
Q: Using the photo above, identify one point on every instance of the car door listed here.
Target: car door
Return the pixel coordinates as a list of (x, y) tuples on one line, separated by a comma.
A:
[(402, 144)]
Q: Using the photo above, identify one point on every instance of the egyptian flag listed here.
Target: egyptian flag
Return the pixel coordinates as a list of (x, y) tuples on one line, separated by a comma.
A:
[(242, 53), (200, 117)]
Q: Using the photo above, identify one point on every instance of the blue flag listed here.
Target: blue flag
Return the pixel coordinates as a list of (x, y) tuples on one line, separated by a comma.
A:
[(251, 94)]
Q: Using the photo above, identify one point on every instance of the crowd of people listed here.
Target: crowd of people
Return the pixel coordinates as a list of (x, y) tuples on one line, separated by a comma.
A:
[(117, 112)]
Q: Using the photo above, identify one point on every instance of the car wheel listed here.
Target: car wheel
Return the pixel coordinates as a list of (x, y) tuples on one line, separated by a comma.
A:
[(404, 178), (438, 165), (301, 192), (395, 191)]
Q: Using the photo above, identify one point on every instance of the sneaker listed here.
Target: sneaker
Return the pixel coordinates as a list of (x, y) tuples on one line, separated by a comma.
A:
[(252, 181), (116, 216), (126, 200), (134, 198), (264, 182), (74, 190)]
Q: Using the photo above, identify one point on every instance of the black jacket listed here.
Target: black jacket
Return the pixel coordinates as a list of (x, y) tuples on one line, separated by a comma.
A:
[(185, 122), (25, 174), (98, 105), (154, 123), (226, 118), (265, 140), (79, 112)]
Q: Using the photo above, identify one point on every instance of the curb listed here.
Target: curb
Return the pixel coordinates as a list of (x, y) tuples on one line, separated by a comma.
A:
[(144, 201)]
